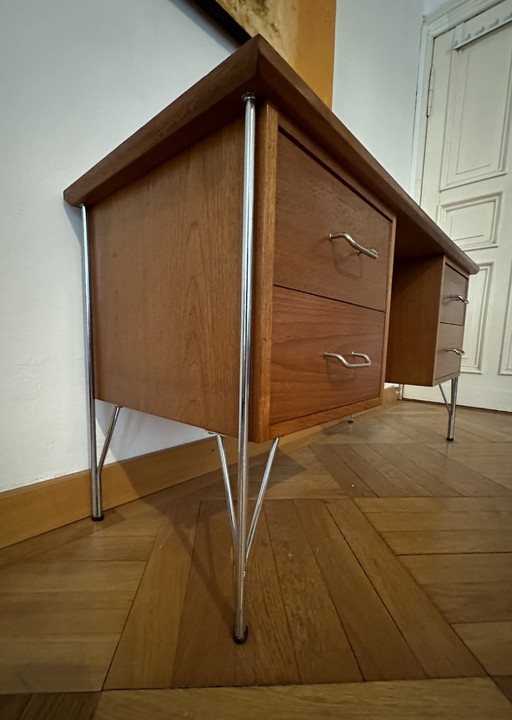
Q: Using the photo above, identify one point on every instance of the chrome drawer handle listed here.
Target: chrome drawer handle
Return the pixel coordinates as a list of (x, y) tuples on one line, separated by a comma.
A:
[(456, 351), (345, 362), (459, 297), (360, 249)]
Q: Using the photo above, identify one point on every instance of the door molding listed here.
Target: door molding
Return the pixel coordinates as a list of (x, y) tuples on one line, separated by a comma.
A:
[(445, 18)]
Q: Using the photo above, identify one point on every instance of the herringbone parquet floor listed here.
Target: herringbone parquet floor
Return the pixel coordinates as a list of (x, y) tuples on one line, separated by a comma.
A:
[(380, 582)]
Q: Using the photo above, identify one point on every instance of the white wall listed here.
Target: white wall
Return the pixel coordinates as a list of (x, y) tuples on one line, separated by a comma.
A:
[(76, 78), (376, 68)]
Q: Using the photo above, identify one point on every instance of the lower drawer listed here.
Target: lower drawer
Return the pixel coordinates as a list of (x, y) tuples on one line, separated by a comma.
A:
[(449, 339), (302, 380)]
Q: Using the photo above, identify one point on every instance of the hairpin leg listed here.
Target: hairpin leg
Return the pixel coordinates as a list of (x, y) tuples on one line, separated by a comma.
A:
[(95, 467), (451, 407)]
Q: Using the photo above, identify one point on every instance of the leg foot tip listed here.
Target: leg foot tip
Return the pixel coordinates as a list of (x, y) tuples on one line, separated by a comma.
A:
[(449, 439), (241, 640), (99, 518)]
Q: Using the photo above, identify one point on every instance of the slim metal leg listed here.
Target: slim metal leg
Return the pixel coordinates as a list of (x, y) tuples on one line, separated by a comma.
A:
[(451, 406), (240, 628), (95, 467), (261, 495), (453, 409), (97, 512), (227, 488), (400, 392)]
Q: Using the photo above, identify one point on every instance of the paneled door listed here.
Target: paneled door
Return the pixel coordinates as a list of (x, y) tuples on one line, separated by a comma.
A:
[(467, 189)]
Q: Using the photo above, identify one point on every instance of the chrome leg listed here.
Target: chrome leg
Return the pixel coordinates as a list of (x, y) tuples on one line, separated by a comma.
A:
[(261, 495), (400, 392), (227, 488), (350, 419), (240, 628), (453, 408), (97, 511)]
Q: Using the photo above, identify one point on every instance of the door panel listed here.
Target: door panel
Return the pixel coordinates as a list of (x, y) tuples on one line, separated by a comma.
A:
[(467, 188)]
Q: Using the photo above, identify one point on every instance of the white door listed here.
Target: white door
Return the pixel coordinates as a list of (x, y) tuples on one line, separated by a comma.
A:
[(467, 189)]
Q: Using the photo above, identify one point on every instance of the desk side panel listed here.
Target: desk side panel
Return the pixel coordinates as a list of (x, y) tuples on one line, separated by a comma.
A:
[(166, 286)]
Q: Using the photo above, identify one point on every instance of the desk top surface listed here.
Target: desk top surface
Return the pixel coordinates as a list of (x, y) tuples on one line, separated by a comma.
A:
[(216, 99)]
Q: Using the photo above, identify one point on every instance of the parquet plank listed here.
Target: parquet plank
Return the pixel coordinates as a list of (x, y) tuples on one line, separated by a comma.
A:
[(404, 457), (380, 649), (460, 568), (391, 472), (61, 706), (63, 613), (268, 657), (321, 647), (348, 481), (53, 663), (459, 477), (70, 576), (442, 504), (505, 685), (370, 473), (449, 541), (12, 706), (491, 643), (102, 548), (470, 699), (146, 651), (473, 602), (417, 521), (205, 652), (433, 642)]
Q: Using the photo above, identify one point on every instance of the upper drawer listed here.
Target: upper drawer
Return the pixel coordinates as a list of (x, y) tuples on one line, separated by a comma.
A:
[(311, 204), (453, 297), (302, 380)]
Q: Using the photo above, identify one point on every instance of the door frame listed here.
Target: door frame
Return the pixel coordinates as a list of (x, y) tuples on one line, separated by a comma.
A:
[(445, 18)]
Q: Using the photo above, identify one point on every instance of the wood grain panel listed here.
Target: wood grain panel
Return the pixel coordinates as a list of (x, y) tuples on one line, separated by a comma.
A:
[(303, 382), (433, 642), (473, 698), (311, 203), (491, 642), (473, 602), (321, 647), (460, 568), (413, 322), (348, 481), (146, 651), (449, 541), (448, 504), (380, 649), (162, 279)]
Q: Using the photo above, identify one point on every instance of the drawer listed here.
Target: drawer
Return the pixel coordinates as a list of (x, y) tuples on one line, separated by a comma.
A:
[(454, 292), (311, 203), (302, 380), (448, 362)]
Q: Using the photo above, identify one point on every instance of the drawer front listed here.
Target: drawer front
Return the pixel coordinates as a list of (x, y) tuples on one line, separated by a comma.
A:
[(447, 361), (312, 203), (455, 287), (302, 380)]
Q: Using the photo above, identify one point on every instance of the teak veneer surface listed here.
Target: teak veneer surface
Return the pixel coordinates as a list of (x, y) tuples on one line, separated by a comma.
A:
[(216, 99)]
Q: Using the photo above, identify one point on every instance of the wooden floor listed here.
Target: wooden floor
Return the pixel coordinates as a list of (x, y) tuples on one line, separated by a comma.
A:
[(380, 582)]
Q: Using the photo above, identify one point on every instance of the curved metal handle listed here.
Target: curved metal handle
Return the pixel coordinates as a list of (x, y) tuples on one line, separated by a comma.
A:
[(345, 362), (457, 351), (459, 297), (360, 249)]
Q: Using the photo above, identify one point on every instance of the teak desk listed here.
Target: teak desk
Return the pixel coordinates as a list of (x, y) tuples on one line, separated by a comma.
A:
[(248, 267)]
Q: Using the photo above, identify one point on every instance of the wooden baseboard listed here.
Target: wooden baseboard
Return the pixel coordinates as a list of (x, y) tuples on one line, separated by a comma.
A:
[(35, 509)]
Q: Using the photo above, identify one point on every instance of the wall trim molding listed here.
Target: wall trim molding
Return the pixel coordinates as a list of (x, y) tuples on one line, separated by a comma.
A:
[(34, 509), (445, 18)]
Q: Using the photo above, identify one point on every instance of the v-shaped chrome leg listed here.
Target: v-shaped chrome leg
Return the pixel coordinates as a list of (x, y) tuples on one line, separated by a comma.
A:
[(451, 407), (243, 539)]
